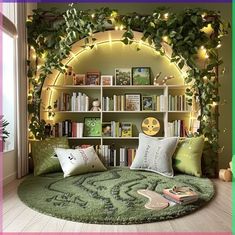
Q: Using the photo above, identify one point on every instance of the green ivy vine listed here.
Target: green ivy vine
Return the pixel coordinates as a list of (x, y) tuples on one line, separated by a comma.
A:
[(51, 34)]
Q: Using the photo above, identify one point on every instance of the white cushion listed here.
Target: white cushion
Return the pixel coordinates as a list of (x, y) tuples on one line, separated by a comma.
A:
[(155, 155), (79, 161)]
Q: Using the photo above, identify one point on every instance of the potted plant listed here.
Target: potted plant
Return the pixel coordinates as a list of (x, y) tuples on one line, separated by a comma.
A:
[(4, 134)]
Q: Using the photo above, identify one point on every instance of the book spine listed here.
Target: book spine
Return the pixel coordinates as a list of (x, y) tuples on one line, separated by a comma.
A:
[(122, 103), (114, 103), (86, 103), (115, 157)]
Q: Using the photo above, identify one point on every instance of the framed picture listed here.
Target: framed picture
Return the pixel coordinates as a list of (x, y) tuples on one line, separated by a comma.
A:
[(123, 76), (92, 127), (126, 128), (132, 102), (92, 78), (79, 79), (147, 103), (107, 80), (106, 129), (141, 75)]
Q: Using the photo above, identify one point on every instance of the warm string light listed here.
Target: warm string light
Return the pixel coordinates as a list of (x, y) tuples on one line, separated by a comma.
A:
[(203, 52), (219, 44), (121, 27), (166, 15)]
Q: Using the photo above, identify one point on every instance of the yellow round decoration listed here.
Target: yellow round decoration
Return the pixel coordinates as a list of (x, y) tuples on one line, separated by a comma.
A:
[(150, 126)]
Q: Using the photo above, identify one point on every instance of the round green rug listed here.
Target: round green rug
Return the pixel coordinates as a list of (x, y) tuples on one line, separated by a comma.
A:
[(108, 197)]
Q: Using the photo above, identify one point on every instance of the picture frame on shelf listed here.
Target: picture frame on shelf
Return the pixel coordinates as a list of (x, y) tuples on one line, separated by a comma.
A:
[(126, 128), (106, 129), (132, 102), (141, 76), (92, 78), (79, 79), (123, 76), (147, 103), (92, 127), (106, 80)]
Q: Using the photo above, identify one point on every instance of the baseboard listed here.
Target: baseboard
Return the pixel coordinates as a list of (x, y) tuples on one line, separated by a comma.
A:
[(8, 179)]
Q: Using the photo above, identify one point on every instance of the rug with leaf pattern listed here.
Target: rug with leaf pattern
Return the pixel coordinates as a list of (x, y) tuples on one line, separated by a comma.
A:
[(108, 197)]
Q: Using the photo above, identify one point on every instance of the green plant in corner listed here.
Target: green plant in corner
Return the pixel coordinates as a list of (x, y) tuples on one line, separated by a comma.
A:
[(4, 133)]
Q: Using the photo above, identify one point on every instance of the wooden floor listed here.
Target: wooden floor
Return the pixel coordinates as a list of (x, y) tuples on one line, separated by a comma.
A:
[(215, 217)]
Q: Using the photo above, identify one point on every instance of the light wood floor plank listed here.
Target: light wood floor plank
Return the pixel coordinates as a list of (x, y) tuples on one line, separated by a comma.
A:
[(214, 217)]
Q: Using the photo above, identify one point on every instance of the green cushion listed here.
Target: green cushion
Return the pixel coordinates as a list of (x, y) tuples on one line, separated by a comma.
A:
[(187, 157), (44, 157)]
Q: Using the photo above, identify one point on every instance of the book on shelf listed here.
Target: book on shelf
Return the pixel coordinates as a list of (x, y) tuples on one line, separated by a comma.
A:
[(68, 128), (178, 103), (177, 128), (181, 195), (116, 129), (117, 103), (73, 102), (127, 156)]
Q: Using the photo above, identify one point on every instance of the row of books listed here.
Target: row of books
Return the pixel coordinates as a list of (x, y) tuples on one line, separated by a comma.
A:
[(127, 156), (108, 155), (178, 103), (120, 103), (68, 128), (117, 129), (176, 128), (75, 102), (181, 195)]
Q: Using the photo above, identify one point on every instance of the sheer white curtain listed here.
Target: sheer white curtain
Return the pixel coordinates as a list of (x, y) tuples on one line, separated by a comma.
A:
[(14, 18)]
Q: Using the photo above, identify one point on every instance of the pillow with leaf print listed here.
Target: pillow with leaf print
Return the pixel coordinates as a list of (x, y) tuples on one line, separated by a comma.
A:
[(188, 154), (154, 154)]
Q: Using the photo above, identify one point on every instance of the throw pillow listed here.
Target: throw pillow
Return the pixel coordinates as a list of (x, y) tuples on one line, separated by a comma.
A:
[(44, 157), (155, 155), (79, 161), (187, 157)]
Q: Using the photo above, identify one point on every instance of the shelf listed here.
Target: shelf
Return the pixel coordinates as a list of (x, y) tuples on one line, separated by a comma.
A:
[(133, 112), (180, 111), (84, 138), (131, 87), (134, 87), (120, 138), (64, 87), (98, 112), (178, 86)]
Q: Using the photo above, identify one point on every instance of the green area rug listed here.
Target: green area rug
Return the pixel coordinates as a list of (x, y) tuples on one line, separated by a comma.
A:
[(108, 197)]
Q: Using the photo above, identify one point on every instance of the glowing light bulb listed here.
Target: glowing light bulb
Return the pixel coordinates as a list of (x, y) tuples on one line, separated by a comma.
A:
[(203, 15), (219, 45), (113, 14), (116, 27), (93, 15), (166, 15), (205, 78), (165, 38), (121, 27)]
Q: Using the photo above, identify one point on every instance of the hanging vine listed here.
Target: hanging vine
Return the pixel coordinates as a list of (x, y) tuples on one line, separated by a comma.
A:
[(51, 35)]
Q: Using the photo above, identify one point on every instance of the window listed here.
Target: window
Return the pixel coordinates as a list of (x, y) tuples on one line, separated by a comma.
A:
[(8, 87), (9, 72)]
